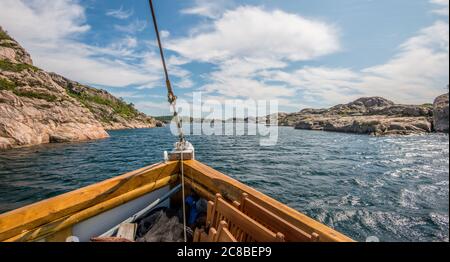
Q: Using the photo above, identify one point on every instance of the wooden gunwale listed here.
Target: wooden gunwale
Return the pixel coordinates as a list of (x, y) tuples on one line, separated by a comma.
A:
[(209, 180), (23, 220), (68, 221)]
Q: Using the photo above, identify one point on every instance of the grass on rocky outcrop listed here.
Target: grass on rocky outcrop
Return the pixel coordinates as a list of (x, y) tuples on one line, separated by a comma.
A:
[(119, 107), (7, 44), (5, 84), (36, 95), (13, 67), (4, 35)]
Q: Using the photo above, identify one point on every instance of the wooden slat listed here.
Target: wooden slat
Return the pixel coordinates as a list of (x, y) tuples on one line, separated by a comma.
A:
[(177, 156), (224, 235), (212, 235), (272, 221), (209, 213), (204, 237), (127, 231), (197, 234), (240, 224), (210, 180), (110, 239)]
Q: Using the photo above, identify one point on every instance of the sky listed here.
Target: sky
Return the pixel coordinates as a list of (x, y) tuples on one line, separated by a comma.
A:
[(302, 53)]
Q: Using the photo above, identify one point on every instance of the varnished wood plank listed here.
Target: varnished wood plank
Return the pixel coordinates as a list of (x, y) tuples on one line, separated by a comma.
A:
[(204, 237), (209, 213), (272, 221), (197, 234), (212, 235), (32, 216), (69, 220), (225, 211), (110, 239), (177, 156), (224, 235)]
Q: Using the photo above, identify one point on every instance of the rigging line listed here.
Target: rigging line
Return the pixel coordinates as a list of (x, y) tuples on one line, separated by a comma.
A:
[(170, 94), (184, 200), (172, 100)]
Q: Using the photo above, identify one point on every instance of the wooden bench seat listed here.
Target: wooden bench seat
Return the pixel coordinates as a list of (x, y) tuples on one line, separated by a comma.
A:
[(273, 222), (242, 227), (222, 235)]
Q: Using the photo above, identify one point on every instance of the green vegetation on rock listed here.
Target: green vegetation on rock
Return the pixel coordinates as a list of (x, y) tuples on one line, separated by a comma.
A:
[(36, 95), (12, 67), (119, 107), (4, 35), (5, 84), (7, 44)]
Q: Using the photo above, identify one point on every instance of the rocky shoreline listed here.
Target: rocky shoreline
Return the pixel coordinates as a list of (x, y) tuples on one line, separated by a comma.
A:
[(373, 116), (38, 107)]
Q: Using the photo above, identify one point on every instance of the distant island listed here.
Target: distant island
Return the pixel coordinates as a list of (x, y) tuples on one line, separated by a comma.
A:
[(373, 115), (368, 115), (38, 107)]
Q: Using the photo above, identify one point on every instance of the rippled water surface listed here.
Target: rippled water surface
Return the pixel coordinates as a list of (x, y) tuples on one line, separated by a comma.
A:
[(394, 188)]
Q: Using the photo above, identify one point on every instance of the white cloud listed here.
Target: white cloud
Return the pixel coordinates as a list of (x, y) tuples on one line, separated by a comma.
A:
[(208, 8), (125, 94), (154, 108), (42, 21), (177, 60), (131, 41), (244, 88), (254, 32), (184, 83), (252, 50), (164, 33), (248, 40), (133, 27), (318, 86), (416, 74), (440, 2), (120, 13), (124, 48), (444, 7), (45, 27)]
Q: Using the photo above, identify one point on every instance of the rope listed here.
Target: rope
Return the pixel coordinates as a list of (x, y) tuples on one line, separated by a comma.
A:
[(172, 100), (184, 201), (170, 95)]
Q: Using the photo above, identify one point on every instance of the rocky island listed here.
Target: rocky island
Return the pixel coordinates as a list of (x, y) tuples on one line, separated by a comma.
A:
[(39, 107), (374, 116)]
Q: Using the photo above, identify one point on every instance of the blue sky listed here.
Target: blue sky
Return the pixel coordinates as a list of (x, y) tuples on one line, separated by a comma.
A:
[(302, 53)]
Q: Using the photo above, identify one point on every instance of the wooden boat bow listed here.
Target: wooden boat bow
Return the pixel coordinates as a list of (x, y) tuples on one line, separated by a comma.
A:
[(56, 218)]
